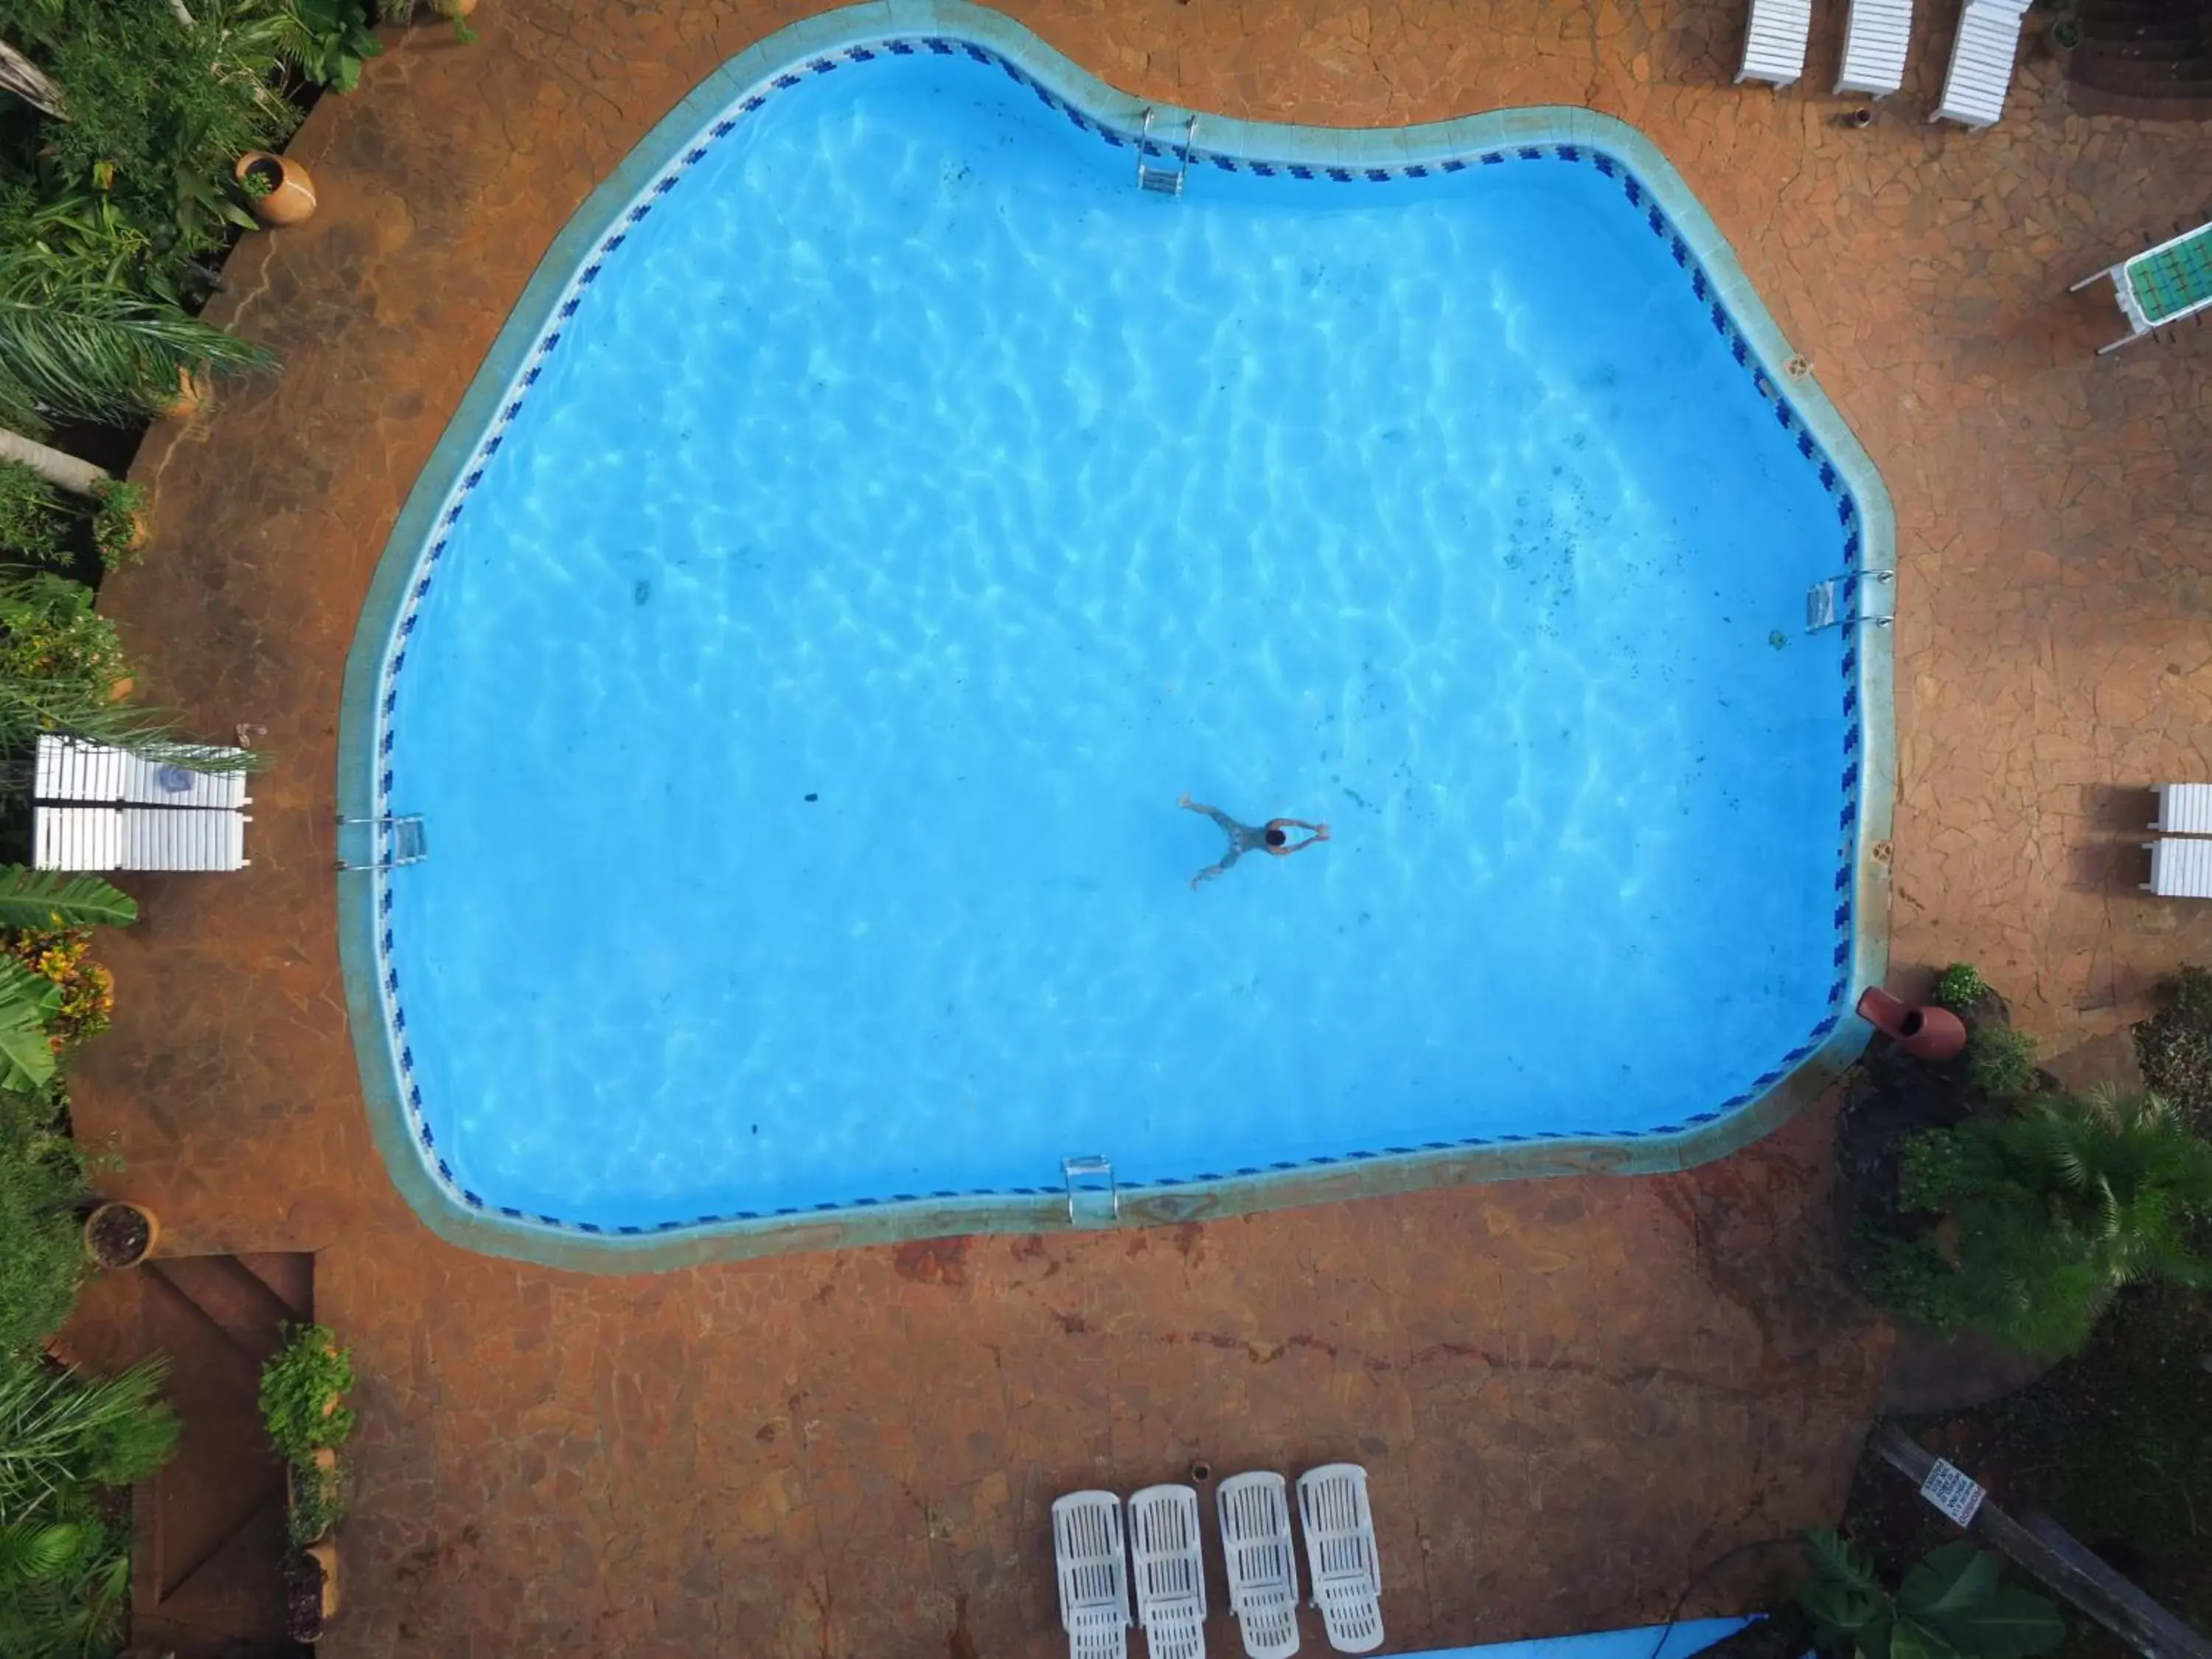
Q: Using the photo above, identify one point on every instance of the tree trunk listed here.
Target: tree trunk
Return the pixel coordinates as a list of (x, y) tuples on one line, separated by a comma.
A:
[(79, 478), (19, 75)]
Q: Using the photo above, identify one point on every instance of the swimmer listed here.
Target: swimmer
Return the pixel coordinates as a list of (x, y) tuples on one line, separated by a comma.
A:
[(1273, 837)]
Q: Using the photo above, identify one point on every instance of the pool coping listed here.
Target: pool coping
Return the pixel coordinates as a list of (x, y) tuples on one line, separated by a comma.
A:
[(1341, 154)]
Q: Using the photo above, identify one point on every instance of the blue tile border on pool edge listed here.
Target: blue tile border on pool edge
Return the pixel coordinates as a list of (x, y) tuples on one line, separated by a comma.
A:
[(1325, 158)]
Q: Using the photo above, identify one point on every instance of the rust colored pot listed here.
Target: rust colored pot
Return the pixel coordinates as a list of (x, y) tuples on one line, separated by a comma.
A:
[(324, 1554), (1926, 1033), (120, 1235), (192, 396), (452, 7), (290, 197)]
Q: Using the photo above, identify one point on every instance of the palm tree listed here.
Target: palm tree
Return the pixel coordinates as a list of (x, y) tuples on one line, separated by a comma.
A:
[(2051, 1210)]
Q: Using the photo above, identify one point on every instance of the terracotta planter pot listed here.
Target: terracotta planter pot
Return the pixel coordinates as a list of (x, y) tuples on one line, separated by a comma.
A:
[(120, 1235), (324, 1554), (290, 198), (142, 531), (452, 7), (1929, 1033), (122, 688)]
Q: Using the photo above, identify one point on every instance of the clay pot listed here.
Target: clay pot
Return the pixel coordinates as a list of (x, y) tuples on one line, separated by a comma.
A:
[(290, 198), (324, 1554), (452, 7), (142, 531), (1926, 1033), (120, 1235), (118, 689)]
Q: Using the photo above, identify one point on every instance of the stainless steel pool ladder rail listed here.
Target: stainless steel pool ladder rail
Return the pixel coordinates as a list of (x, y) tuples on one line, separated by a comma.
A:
[(1164, 181), (1091, 1168), (393, 841), (1836, 602)]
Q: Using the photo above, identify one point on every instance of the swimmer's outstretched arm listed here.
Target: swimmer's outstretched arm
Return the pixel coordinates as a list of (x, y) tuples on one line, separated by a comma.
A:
[(1316, 832)]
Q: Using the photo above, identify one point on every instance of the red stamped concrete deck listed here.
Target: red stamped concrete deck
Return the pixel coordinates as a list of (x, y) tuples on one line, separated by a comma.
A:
[(1573, 1394)]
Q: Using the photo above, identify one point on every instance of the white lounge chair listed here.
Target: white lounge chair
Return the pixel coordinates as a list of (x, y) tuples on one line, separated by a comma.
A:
[(1980, 74), (157, 838), (2184, 809), (1263, 1568), (2180, 869), (1171, 1572), (77, 838), (1094, 1574), (1347, 1575), (1774, 41), (2161, 285), (1874, 44), (71, 769)]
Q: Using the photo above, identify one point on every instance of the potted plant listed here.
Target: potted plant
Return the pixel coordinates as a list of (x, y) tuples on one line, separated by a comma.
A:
[(315, 1498), (278, 190), (311, 1592), (194, 393), (2065, 34), (120, 1235), (302, 1393), (120, 527)]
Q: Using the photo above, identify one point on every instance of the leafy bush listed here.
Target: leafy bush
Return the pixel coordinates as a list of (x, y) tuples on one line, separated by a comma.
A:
[(301, 1386), (115, 525), (64, 1587), (2174, 1048), (1959, 987), (61, 1431), (33, 522), (1953, 1605), (42, 1181), (2000, 1061), (328, 41), (318, 1502), (84, 995), (2048, 1212)]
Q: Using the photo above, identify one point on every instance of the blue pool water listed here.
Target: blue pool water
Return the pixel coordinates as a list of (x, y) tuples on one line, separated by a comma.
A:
[(914, 509)]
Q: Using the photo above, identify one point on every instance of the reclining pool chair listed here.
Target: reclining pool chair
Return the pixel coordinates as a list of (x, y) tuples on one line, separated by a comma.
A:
[(1263, 1567), (2184, 809), (2160, 285), (2180, 868), (1874, 44), (1980, 74), (1348, 1576), (70, 768), (1094, 1574), (1774, 41), (149, 838), (1170, 1570)]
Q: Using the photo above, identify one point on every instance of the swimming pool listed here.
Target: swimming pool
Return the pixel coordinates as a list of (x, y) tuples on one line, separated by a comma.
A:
[(878, 511)]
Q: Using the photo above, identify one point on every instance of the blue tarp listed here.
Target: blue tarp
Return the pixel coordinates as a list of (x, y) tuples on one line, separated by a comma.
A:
[(1684, 1639)]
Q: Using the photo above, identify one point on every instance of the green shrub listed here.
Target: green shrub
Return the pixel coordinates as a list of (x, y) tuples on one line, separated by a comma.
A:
[(301, 1386), (2000, 1061), (318, 1502), (33, 522), (65, 1588), (2174, 1048), (42, 1182), (2048, 1212), (1953, 1605), (1959, 987), (62, 1432), (114, 527)]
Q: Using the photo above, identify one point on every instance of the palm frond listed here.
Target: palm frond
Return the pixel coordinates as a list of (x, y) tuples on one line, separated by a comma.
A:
[(48, 898), (96, 353)]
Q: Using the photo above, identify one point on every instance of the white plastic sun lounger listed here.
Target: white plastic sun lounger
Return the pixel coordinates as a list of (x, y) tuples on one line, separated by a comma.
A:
[(156, 838), (1875, 45), (70, 768), (1774, 41), (1094, 1574), (77, 838), (2161, 285), (1980, 74), (1347, 1575), (2180, 869), (1263, 1568), (2184, 809), (1171, 1572)]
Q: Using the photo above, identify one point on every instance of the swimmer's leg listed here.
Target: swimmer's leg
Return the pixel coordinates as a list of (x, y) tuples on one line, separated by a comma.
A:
[(1214, 870)]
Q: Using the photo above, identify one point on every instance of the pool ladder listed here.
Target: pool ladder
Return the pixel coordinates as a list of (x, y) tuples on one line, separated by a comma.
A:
[(393, 841), (1083, 1175), (1163, 180)]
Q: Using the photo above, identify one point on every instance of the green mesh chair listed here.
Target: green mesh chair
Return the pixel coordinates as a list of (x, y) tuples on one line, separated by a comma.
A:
[(2160, 285)]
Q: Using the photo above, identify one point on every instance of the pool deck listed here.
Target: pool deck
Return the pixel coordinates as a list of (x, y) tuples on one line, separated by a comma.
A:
[(1571, 1394)]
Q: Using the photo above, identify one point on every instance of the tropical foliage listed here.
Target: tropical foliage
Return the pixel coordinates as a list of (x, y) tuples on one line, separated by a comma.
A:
[(300, 1388), (2046, 1212), (42, 1181), (65, 1566), (1960, 986), (1953, 1605)]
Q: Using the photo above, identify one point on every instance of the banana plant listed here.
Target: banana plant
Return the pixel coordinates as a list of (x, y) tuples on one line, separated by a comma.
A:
[(49, 898), (1951, 1606)]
